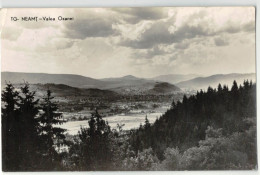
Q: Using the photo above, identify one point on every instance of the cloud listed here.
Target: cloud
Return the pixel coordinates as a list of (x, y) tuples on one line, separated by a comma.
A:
[(149, 53), (221, 41), (249, 27), (55, 44), (11, 33), (95, 28), (182, 45), (135, 15), (155, 51), (63, 44), (237, 27), (189, 24), (102, 42), (159, 33), (90, 23)]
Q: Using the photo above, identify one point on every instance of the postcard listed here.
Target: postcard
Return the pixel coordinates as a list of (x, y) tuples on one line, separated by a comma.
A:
[(128, 89)]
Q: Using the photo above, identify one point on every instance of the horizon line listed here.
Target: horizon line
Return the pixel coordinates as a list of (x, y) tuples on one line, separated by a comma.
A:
[(199, 75)]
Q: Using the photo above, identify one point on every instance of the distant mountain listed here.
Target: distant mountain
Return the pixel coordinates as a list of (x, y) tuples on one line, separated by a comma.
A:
[(127, 81), (73, 80), (124, 78), (66, 82), (214, 80), (164, 88), (174, 78), (155, 88), (61, 90), (44, 78)]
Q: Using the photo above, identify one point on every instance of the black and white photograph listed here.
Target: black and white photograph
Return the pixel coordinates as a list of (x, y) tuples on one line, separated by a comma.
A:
[(128, 89)]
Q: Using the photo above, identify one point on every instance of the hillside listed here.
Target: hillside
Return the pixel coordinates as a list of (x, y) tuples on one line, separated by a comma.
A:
[(128, 84), (44, 78), (151, 88), (214, 80), (185, 124), (174, 78), (70, 83), (61, 90), (164, 88), (124, 78), (127, 81), (77, 81)]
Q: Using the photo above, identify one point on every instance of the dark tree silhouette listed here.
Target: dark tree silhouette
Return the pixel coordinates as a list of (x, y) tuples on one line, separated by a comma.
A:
[(52, 136), (93, 150), (10, 128), (184, 125), (146, 123)]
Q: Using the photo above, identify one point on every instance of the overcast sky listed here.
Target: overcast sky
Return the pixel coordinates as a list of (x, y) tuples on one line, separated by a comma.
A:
[(144, 42)]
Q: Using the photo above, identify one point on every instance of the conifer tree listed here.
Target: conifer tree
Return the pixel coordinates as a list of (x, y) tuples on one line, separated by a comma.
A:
[(95, 152), (219, 88), (173, 105), (29, 148), (52, 136), (234, 87), (146, 123), (10, 132)]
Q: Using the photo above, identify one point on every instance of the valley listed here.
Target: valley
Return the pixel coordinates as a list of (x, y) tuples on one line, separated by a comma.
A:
[(124, 100)]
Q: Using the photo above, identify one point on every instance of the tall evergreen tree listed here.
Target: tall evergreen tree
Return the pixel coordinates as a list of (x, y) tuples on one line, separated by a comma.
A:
[(234, 87), (146, 123), (94, 152), (219, 88), (52, 136), (29, 127), (10, 132)]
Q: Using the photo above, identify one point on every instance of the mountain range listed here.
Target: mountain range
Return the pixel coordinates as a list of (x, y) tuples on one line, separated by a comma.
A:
[(129, 84), (44, 78), (123, 85)]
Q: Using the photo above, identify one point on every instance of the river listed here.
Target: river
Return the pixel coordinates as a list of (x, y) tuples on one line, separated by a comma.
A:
[(130, 121)]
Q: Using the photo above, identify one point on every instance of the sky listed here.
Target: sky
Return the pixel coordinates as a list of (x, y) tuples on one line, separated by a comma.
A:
[(144, 42)]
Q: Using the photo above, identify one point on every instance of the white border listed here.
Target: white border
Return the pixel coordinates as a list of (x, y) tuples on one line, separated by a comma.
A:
[(123, 3), (147, 3)]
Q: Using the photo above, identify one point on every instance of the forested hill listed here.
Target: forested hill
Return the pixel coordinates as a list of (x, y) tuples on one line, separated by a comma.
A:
[(213, 80), (184, 125)]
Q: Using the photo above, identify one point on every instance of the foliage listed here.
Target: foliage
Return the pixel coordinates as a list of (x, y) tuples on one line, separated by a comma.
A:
[(52, 137), (212, 130), (92, 150), (216, 152), (184, 125), (28, 139), (144, 160), (25, 147), (10, 128)]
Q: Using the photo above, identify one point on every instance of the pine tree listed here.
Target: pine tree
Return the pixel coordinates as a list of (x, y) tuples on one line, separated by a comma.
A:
[(173, 105), (220, 88), (29, 151), (234, 87), (51, 136), (10, 132), (146, 123), (95, 152)]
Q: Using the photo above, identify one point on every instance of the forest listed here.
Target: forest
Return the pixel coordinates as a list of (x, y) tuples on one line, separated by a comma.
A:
[(211, 130)]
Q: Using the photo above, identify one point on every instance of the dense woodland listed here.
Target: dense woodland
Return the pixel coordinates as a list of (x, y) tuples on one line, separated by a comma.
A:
[(211, 130)]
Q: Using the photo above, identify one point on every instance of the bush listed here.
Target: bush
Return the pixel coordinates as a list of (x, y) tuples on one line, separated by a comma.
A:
[(216, 152), (145, 160)]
